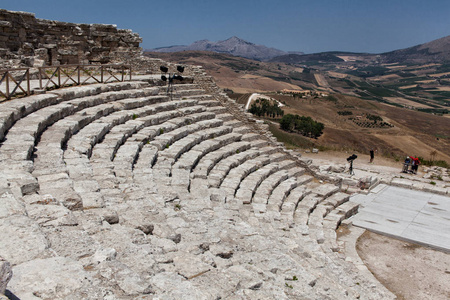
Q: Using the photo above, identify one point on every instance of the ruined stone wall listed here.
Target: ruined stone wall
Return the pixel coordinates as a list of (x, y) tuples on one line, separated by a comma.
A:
[(31, 42)]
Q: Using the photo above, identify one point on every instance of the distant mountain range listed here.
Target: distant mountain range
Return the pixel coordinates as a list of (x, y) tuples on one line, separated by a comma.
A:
[(234, 46), (434, 51)]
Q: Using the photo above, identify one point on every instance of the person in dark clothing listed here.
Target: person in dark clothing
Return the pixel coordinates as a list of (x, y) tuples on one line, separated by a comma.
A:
[(372, 155), (406, 165)]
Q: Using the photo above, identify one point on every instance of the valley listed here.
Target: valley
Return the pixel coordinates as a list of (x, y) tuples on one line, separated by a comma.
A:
[(411, 93)]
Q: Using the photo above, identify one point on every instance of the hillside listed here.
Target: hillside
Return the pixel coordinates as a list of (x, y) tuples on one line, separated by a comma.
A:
[(436, 51), (348, 127), (323, 57), (239, 74), (413, 97)]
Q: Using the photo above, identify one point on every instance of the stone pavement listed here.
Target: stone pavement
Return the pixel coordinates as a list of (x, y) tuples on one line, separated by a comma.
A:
[(410, 215)]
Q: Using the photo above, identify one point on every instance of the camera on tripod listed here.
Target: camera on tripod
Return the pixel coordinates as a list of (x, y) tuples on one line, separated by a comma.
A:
[(352, 158)]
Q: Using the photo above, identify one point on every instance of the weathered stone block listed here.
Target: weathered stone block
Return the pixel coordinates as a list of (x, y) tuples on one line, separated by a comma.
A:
[(5, 274)]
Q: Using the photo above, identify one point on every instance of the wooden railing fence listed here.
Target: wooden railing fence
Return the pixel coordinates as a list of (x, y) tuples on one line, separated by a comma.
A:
[(17, 82)]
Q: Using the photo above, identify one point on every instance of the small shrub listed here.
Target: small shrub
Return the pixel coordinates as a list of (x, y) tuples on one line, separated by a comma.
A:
[(345, 113), (134, 116), (161, 131), (432, 182), (305, 126)]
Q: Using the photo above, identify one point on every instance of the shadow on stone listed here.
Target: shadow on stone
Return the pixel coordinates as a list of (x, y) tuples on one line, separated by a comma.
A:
[(11, 296)]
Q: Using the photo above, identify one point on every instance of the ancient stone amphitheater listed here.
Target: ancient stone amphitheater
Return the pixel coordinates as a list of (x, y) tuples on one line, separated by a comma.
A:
[(124, 191)]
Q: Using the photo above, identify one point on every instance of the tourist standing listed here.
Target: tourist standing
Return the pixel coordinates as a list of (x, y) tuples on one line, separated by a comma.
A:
[(406, 164), (372, 155), (415, 164)]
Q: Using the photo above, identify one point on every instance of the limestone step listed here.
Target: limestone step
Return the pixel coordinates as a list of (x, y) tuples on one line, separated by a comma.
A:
[(91, 134), (250, 183), (209, 103), (184, 93), (203, 97), (291, 202), (128, 154), (166, 139), (139, 131), (27, 130), (235, 124), (96, 89), (12, 111), (190, 159), (217, 109), (259, 143), (225, 117), (176, 149), (251, 137), (279, 194), (221, 169), (207, 163)]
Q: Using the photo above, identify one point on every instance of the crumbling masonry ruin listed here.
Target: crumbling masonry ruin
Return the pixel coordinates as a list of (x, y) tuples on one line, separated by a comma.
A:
[(31, 42)]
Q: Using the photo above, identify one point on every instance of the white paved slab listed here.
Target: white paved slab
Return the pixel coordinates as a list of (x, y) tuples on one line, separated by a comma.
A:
[(410, 215)]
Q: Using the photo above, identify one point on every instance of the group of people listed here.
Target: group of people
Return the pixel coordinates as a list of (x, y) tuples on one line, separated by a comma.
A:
[(411, 164)]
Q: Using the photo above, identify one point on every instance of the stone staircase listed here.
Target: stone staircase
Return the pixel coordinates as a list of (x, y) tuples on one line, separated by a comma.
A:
[(122, 191)]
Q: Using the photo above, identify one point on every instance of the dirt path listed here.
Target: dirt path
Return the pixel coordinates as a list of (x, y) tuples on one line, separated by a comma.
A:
[(255, 96), (409, 271)]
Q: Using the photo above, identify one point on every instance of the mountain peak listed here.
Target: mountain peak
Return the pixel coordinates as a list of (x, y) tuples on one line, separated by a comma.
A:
[(237, 40), (234, 46)]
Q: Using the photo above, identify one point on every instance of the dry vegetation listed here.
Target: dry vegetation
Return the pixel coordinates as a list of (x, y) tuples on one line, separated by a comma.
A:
[(414, 133)]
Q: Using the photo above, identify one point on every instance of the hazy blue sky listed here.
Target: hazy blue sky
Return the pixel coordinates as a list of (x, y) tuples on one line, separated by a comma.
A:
[(372, 26)]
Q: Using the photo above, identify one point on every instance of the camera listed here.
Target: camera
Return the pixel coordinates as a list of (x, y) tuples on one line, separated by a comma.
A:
[(352, 157)]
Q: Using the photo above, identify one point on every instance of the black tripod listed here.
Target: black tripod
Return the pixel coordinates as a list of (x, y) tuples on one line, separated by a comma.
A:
[(171, 78), (350, 159), (351, 168)]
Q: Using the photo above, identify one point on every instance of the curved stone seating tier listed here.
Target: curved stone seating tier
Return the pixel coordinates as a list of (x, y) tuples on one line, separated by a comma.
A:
[(249, 185), (207, 163), (174, 149), (223, 167), (125, 191)]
